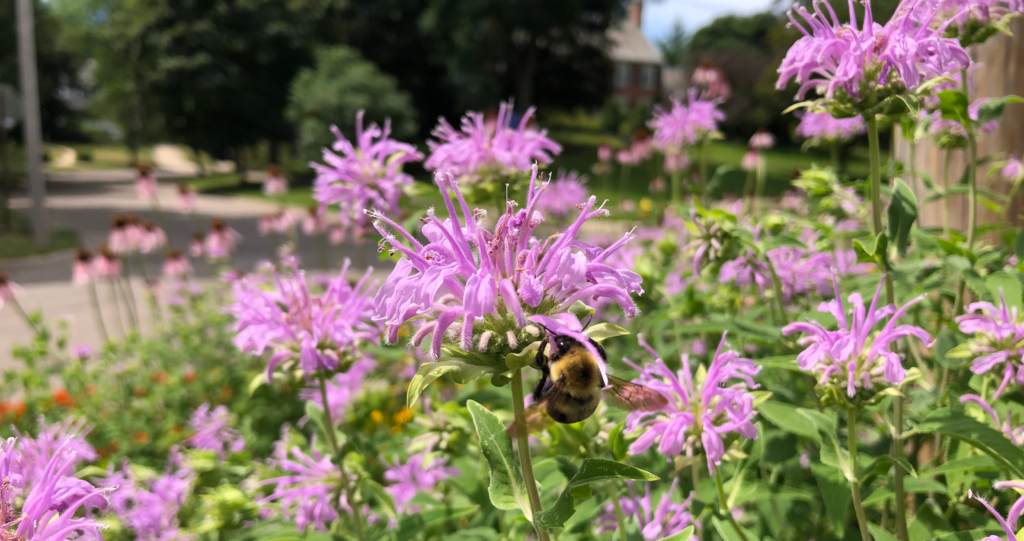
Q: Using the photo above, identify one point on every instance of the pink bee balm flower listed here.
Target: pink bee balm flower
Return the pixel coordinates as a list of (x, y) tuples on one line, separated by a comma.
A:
[(1009, 524), (712, 81), (275, 184), (365, 175), (314, 222), (1013, 170), (213, 430), (998, 341), (318, 330), (83, 351), (151, 507), (421, 473), (604, 153), (195, 245), (336, 235), (833, 57), (750, 160), (761, 140), (281, 222), (151, 237), (823, 127), (308, 492), (657, 185), (489, 146), (654, 522), (854, 356), (676, 162), (187, 198), (564, 194), (685, 125), (125, 234), (707, 411), (221, 240), (82, 269), (107, 264), (145, 183), (466, 274), (66, 438), (176, 265), (967, 16), (52, 500)]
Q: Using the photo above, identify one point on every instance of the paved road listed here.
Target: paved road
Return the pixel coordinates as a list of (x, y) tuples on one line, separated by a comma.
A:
[(86, 201)]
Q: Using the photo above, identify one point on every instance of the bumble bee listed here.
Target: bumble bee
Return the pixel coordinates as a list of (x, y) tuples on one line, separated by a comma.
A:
[(572, 384)]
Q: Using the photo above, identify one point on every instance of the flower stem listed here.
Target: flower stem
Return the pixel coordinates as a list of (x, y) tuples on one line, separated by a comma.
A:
[(723, 505), (858, 507), (332, 439), (523, 445), (620, 517), (24, 315), (777, 286), (748, 193), (704, 180), (945, 194), (876, 193), (972, 168), (94, 298), (117, 307), (762, 180), (834, 151)]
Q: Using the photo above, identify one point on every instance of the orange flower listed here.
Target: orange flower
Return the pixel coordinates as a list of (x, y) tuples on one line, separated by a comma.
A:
[(160, 377), (63, 399), (402, 417), (140, 437), (108, 450), (140, 391), (190, 377), (90, 389)]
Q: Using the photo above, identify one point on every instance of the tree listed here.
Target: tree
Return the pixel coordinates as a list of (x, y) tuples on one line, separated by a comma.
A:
[(58, 70), (342, 83), (673, 47)]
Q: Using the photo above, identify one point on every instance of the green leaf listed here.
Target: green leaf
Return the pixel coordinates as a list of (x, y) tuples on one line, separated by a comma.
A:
[(788, 418), (604, 331), (592, 471), (1018, 246), (872, 250), (684, 535), (617, 442), (945, 343), (411, 526), (1007, 286), (879, 533), (728, 531), (428, 373), (835, 494), (902, 213), (781, 362), (507, 488), (524, 358), (955, 424), (257, 381), (779, 241), (992, 109), (953, 105), (971, 463), (316, 414)]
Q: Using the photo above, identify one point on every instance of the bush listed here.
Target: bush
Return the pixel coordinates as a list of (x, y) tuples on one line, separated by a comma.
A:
[(612, 116), (341, 84)]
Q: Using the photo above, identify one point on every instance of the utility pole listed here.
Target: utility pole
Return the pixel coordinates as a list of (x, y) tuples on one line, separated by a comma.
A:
[(32, 128)]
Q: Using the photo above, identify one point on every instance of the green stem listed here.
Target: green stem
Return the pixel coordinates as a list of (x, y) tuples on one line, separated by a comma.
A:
[(972, 169), (858, 507), (332, 439), (620, 517), (523, 445), (762, 174), (624, 179), (876, 174), (704, 180), (748, 193), (117, 308), (834, 151), (24, 315), (94, 298), (777, 286), (945, 194), (677, 186), (723, 505)]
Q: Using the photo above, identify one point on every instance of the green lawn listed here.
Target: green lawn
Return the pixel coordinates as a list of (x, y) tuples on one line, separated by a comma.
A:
[(231, 184), (18, 243)]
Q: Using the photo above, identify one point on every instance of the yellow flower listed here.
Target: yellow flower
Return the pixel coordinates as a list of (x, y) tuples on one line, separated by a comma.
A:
[(377, 416), (646, 206), (403, 416)]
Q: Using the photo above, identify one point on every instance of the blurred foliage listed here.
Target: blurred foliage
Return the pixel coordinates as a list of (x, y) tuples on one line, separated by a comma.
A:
[(57, 66), (330, 94)]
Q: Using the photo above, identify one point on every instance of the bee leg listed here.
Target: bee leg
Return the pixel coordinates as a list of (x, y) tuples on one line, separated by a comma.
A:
[(541, 361)]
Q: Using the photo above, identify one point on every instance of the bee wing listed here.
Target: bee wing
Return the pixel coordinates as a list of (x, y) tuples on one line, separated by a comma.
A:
[(535, 418), (629, 396)]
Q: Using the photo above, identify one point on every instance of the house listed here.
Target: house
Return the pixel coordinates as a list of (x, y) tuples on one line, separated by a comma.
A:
[(636, 64)]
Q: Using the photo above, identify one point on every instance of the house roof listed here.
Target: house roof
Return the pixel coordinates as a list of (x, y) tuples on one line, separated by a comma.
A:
[(630, 45)]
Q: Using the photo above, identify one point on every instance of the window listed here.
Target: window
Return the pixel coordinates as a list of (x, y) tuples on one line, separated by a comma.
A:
[(623, 75), (649, 77)]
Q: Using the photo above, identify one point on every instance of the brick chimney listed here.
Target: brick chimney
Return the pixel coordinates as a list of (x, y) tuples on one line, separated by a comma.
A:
[(636, 12)]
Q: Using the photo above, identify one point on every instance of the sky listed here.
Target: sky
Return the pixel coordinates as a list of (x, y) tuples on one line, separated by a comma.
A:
[(660, 15)]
